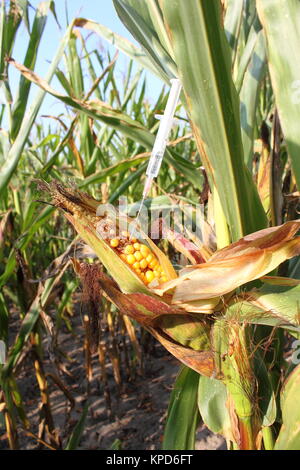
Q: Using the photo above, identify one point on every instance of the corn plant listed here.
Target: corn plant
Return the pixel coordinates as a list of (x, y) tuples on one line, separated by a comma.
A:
[(239, 360), (91, 152), (228, 315), (228, 58)]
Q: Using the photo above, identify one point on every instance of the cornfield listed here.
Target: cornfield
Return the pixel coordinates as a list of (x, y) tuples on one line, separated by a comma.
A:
[(224, 300)]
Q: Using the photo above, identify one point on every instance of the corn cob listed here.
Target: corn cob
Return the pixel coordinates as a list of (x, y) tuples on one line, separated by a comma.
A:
[(136, 254), (139, 257)]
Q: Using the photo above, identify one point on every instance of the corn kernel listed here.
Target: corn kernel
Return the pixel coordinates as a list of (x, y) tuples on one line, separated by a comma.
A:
[(144, 250), (130, 259), (163, 279), (137, 246), (136, 265), (114, 242), (129, 250), (138, 255), (149, 276), (133, 239), (143, 264), (123, 257), (149, 258), (152, 264), (156, 273)]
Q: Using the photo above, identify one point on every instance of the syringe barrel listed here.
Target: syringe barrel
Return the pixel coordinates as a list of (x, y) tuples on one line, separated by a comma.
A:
[(164, 130), (167, 119), (154, 164), (165, 126)]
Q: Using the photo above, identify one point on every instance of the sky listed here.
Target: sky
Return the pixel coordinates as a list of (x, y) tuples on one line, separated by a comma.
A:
[(101, 11)]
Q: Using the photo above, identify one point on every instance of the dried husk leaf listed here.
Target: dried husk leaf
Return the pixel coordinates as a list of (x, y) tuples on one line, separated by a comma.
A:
[(267, 238), (184, 246), (200, 361), (141, 307), (250, 258), (186, 337)]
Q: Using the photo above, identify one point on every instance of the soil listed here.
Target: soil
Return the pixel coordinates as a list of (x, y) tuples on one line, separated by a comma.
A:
[(138, 407)]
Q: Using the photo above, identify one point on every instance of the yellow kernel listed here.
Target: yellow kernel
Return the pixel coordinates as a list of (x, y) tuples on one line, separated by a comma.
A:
[(149, 276), (114, 242), (163, 279), (156, 273), (138, 271), (144, 250), (152, 264), (138, 255), (137, 246), (136, 265), (149, 258), (129, 250), (133, 239), (143, 264), (124, 257), (130, 259)]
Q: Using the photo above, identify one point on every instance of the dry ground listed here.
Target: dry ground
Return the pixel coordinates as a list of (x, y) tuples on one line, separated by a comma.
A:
[(138, 411)]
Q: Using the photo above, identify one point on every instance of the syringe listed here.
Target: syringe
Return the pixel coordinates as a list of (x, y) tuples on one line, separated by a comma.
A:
[(166, 122), (160, 143)]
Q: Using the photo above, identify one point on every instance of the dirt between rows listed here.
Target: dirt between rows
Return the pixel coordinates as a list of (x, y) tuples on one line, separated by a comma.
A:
[(138, 410)]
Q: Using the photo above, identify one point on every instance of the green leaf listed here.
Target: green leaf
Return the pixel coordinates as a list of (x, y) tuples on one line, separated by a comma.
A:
[(31, 318), (123, 45), (232, 22), (75, 437), (265, 392), (249, 95), (280, 21), (2, 38), (188, 330), (128, 182), (4, 314), (23, 242), (36, 35), (289, 435), (121, 122), (116, 445), (136, 17), (248, 53), (273, 305), (212, 397), (95, 109), (17, 400), (15, 153), (183, 415), (202, 56), (123, 165), (281, 301)]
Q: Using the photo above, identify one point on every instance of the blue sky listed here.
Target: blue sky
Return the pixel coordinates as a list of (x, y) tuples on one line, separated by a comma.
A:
[(101, 11)]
